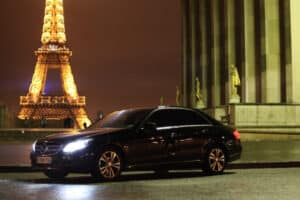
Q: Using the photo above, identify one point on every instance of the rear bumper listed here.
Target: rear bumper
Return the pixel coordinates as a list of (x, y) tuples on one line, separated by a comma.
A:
[(233, 157), (234, 151)]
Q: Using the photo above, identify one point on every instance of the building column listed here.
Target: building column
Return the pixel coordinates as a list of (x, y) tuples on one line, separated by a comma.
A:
[(293, 68), (185, 51), (194, 45), (215, 53), (203, 49), (270, 33), (230, 44), (249, 79)]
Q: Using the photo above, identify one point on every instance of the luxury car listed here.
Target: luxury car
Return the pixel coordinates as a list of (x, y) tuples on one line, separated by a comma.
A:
[(158, 139)]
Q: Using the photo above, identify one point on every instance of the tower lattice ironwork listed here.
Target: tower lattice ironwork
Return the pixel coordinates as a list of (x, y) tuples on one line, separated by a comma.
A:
[(53, 55)]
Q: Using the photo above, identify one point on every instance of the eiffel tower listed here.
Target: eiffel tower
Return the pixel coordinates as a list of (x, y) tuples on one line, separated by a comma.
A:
[(54, 55)]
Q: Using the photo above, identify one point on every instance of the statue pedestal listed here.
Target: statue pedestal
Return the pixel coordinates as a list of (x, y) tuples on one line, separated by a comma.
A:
[(235, 99), (260, 118), (200, 104)]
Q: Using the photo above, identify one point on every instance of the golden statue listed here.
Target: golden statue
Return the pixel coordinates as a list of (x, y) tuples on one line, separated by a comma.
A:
[(177, 96), (234, 83), (161, 100), (198, 89), (199, 98)]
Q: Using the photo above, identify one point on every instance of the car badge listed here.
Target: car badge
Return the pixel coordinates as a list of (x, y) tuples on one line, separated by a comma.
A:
[(44, 148)]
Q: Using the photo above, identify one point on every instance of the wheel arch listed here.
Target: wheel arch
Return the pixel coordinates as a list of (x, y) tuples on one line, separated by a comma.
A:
[(117, 148), (213, 143)]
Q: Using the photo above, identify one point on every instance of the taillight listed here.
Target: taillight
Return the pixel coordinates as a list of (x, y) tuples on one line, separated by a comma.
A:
[(236, 135)]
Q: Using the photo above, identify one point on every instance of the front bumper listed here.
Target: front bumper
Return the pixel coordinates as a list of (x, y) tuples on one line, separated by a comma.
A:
[(81, 162)]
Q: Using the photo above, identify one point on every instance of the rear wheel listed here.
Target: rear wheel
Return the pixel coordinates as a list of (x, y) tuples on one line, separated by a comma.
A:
[(56, 174), (215, 161), (109, 165)]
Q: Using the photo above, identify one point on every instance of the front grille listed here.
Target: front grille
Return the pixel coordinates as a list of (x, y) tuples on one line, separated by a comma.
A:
[(46, 148)]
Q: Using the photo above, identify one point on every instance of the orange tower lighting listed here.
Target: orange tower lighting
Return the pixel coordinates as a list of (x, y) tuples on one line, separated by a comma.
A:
[(54, 55)]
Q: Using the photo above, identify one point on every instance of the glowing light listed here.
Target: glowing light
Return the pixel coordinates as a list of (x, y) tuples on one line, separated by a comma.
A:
[(37, 82), (68, 82), (54, 55), (83, 122), (75, 146), (237, 135), (54, 25), (78, 192), (33, 146)]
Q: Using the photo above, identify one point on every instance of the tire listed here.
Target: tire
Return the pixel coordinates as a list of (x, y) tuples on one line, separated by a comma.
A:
[(215, 161), (56, 174), (108, 165)]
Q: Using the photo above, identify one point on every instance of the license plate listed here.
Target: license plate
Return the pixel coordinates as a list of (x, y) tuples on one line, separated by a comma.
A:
[(43, 160)]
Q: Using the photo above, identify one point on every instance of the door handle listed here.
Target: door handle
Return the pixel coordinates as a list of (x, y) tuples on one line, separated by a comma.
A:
[(173, 135)]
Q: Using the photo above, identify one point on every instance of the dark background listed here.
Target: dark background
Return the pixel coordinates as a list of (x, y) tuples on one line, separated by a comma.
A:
[(126, 53)]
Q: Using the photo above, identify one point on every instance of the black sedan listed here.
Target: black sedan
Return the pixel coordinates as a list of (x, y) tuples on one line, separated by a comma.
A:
[(159, 139)]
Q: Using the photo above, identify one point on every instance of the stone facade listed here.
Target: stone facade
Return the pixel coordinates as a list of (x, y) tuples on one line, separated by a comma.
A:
[(3, 116), (261, 39)]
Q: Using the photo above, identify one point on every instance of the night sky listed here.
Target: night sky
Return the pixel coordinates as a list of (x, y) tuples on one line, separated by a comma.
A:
[(126, 53)]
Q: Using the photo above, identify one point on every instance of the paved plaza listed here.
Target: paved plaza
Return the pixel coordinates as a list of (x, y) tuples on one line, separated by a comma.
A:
[(256, 184)]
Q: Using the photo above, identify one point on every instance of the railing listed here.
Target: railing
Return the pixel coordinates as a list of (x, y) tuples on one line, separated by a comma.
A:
[(52, 100)]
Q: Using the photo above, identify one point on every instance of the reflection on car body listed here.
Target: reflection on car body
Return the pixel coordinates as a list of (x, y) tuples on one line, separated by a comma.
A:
[(159, 139)]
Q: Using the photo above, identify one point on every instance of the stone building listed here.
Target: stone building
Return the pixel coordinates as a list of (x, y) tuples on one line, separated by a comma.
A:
[(3, 116), (258, 38)]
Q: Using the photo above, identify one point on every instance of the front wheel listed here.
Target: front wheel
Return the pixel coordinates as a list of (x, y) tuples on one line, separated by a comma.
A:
[(109, 165), (215, 161), (56, 174)]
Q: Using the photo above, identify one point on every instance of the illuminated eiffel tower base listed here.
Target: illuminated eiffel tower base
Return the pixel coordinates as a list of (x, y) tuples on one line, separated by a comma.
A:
[(54, 55)]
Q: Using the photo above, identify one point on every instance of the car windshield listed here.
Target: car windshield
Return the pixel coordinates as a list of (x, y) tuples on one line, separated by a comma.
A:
[(122, 119)]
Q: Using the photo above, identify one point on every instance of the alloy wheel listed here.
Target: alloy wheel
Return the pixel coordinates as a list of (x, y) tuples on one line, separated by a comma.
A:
[(109, 165), (216, 160)]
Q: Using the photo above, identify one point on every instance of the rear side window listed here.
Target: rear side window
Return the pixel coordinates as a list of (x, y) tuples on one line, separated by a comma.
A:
[(173, 117)]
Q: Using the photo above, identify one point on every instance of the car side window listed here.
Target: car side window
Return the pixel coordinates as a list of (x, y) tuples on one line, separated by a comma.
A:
[(169, 117), (186, 117), (191, 117), (161, 118)]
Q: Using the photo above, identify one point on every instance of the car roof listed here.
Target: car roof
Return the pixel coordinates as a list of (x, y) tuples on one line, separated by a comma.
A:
[(160, 108), (165, 107)]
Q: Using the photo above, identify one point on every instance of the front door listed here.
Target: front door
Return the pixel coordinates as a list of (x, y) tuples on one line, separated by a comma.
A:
[(149, 147), (156, 145)]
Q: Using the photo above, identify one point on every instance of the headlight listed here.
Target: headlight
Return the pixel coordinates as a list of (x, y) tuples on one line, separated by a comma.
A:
[(76, 145), (33, 146)]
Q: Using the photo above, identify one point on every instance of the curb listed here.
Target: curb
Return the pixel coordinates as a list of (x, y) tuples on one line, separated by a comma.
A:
[(29, 169), (17, 169), (262, 165)]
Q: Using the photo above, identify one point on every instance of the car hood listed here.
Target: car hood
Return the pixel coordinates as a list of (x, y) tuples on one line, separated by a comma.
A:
[(67, 136)]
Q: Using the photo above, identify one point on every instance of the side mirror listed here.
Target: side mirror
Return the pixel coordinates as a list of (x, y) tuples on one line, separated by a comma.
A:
[(100, 115)]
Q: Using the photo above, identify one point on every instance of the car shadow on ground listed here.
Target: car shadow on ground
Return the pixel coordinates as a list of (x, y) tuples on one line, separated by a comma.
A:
[(86, 179)]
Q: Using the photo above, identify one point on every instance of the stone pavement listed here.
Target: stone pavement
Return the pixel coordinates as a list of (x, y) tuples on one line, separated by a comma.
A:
[(15, 154), (237, 184)]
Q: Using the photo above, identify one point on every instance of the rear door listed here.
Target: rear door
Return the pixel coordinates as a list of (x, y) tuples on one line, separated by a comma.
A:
[(192, 133)]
